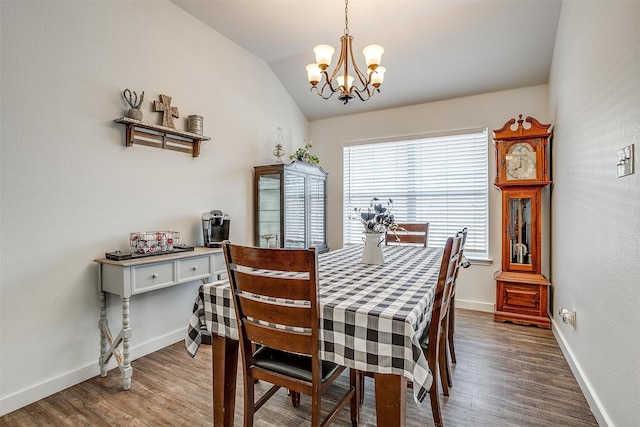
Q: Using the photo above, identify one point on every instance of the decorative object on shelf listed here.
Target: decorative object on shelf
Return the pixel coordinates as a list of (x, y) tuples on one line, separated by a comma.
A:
[(161, 137), (135, 104), (194, 124), (370, 82), (279, 151), (168, 112), (304, 155)]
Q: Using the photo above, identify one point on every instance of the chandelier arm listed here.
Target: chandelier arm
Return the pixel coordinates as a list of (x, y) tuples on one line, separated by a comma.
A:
[(369, 90), (337, 69), (321, 91), (360, 74), (343, 63), (327, 82)]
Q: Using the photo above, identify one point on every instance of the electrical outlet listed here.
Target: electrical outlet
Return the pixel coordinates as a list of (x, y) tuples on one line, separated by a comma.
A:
[(625, 161), (567, 316)]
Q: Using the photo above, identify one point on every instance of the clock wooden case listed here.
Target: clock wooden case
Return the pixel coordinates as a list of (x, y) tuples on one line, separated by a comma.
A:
[(522, 171)]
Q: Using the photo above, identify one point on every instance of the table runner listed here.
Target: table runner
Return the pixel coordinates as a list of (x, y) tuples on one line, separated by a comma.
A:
[(372, 316)]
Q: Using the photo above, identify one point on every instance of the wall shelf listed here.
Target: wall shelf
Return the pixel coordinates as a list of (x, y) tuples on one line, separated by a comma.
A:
[(153, 135)]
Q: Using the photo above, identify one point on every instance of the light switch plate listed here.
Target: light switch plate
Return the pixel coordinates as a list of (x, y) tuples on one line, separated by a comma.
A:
[(625, 161)]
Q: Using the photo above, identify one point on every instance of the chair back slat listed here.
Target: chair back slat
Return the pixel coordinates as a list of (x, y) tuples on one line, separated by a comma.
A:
[(276, 260), (294, 342), (273, 287), (413, 233), (295, 316), (415, 227)]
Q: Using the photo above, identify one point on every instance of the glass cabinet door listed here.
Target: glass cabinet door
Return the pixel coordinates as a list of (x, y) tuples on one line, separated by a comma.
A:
[(268, 221), (317, 213), (294, 213)]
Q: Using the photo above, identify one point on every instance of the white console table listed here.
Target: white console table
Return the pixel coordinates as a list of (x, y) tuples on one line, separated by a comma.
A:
[(139, 275)]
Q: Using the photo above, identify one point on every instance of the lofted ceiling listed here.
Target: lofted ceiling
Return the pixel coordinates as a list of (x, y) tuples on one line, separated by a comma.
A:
[(434, 49)]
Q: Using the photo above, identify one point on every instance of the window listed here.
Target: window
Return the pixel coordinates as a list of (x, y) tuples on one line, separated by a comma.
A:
[(441, 179)]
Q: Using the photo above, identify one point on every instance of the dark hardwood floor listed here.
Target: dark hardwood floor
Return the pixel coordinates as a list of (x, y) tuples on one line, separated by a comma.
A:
[(507, 375)]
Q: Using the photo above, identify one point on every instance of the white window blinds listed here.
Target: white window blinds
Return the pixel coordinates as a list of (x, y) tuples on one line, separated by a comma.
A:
[(442, 180)]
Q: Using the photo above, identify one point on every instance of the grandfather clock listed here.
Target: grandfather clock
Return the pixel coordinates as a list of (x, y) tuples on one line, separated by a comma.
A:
[(522, 171)]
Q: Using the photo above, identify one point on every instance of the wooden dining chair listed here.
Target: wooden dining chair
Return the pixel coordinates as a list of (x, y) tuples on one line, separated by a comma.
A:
[(451, 321), (455, 262), (413, 233), (432, 339), (275, 295)]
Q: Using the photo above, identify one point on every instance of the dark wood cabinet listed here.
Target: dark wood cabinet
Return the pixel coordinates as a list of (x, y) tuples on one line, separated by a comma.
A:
[(290, 202), (522, 292)]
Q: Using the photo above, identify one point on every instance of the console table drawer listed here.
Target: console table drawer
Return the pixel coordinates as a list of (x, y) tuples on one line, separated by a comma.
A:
[(154, 276), (194, 269)]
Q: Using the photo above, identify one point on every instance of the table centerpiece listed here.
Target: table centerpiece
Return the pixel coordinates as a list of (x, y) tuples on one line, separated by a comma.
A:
[(377, 220)]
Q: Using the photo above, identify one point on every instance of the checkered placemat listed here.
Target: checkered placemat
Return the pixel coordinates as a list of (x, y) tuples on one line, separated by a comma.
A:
[(372, 316)]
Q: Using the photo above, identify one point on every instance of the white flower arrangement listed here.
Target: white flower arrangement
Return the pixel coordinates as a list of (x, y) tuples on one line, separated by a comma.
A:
[(377, 218)]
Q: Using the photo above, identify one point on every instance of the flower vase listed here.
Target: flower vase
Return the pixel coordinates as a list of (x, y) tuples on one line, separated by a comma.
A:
[(372, 252)]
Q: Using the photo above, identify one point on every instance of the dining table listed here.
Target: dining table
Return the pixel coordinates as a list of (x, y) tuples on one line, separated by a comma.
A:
[(371, 317)]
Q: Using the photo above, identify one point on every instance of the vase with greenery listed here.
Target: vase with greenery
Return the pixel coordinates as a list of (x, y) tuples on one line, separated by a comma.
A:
[(303, 154)]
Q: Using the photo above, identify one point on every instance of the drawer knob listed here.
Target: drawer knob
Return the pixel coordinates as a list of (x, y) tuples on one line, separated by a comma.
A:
[(195, 268), (154, 276)]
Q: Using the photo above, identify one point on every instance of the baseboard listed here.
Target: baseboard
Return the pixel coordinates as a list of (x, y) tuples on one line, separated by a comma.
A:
[(474, 305), (39, 391), (594, 403)]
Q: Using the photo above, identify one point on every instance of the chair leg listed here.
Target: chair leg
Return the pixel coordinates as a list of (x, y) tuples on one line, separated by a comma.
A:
[(316, 404), (443, 366), (295, 398), (450, 332), (249, 403), (435, 403), (361, 389)]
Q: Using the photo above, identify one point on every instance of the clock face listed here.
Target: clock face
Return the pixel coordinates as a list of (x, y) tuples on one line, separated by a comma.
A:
[(521, 162)]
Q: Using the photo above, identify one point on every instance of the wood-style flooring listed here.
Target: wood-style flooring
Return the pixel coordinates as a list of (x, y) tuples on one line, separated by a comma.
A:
[(507, 375)]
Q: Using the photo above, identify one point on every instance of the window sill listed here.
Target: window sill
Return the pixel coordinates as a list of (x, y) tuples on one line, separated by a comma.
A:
[(475, 260)]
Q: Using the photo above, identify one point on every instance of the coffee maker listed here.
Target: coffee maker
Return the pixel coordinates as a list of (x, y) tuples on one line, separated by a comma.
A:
[(215, 228)]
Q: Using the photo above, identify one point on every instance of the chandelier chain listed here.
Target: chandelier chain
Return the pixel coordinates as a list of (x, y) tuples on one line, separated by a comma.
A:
[(346, 17)]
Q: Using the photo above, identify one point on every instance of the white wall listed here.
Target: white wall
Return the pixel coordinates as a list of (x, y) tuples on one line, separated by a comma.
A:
[(477, 286), (595, 93), (71, 191)]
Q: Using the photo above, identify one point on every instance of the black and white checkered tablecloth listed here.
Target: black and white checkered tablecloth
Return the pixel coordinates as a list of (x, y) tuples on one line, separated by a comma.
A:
[(372, 316)]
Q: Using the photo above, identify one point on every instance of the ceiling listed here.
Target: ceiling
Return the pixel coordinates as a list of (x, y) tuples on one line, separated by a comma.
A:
[(434, 49)]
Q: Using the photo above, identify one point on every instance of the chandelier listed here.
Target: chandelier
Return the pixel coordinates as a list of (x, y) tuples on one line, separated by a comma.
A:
[(369, 82)]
